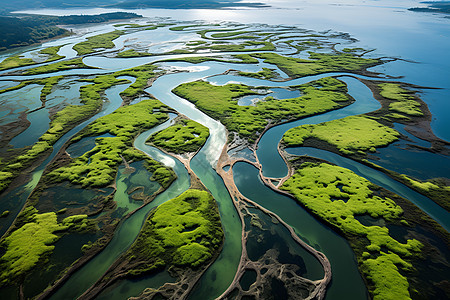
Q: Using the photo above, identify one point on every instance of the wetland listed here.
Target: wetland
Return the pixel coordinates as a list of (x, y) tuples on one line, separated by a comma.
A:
[(163, 159)]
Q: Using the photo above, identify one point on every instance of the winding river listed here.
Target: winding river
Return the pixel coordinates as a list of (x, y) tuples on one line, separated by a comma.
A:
[(347, 282)]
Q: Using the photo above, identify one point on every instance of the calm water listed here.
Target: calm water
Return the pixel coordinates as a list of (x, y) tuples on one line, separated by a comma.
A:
[(383, 25)]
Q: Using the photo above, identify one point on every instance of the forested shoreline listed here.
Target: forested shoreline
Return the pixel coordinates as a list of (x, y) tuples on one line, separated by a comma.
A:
[(30, 29)]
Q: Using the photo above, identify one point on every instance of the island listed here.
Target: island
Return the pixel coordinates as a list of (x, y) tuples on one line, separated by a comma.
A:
[(186, 167)]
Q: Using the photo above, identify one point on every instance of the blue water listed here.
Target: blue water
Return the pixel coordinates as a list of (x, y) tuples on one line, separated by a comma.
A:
[(435, 211), (382, 24), (273, 164)]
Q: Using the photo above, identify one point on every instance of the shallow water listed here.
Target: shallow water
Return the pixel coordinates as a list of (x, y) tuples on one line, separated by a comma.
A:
[(382, 24), (431, 208), (273, 164), (347, 282)]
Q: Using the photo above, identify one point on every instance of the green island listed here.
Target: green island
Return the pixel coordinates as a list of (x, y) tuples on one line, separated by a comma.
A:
[(97, 42), (404, 102), (185, 136), (250, 121), (182, 235), (22, 255), (265, 73), (350, 135), (132, 53), (184, 231), (318, 63), (75, 63), (338, 197), (18, 61), (98, 167)]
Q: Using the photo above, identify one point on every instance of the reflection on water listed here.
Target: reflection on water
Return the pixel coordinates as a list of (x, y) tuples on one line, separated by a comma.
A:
[(373, 25)]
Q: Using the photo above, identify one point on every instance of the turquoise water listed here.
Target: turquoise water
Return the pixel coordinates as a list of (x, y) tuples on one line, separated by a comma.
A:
[(384, 24), (126, 232)]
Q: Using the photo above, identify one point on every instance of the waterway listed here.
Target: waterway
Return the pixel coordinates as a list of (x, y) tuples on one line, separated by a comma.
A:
[(347, 282)]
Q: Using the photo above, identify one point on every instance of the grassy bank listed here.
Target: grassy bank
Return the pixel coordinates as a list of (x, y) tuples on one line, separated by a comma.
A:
[(101, 41), (98, 167), (220, 102), (185, 136), (185, 231), (337, 196), (350, 135)]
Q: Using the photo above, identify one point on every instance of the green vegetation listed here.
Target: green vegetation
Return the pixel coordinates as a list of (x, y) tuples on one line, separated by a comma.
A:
[(15, 61), (97, 42), (185, 136), (61, 123), (76, 63), (349, 135), (435, 189), (98, 167), (318, 63), (52, 53), (18, 61), (30, 244), (132, 53), (405, 101), (241, 59), (181, 28), (266, 73), (184, 231), (5, 179), (196, 59), (241, 47), (229, 34), (142, 74), (337, 195), (220, 103), (48, 84), (24, 31), (245, 59), (203, 32)]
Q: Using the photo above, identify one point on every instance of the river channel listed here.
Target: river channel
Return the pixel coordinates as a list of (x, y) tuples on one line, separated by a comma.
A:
[(347, 282)]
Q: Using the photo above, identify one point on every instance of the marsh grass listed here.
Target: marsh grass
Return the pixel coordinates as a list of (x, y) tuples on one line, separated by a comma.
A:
[(382, 259), (185, 136), (19, 61), (318, 63), (33, 242), (98, 167), (220, 102), (75, 63), (101, 41), (404, 100), (349, 135), (185, 231)]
